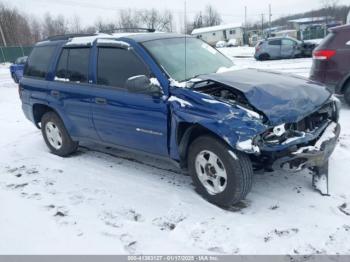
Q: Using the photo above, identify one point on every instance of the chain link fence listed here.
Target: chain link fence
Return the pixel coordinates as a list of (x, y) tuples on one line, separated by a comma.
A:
[(11, 53)]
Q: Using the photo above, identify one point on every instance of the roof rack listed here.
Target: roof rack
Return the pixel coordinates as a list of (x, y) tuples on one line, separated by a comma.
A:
[(66, 36), (128, 30)]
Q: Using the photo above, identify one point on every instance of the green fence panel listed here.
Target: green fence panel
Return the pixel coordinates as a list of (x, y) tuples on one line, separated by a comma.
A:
[(11, 53)]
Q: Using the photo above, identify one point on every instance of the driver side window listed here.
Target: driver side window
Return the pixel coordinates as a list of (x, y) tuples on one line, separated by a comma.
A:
[(116, 65)]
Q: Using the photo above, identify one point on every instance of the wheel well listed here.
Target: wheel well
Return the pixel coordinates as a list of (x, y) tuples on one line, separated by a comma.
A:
[(345, 84), (38, 111), (186, 134)]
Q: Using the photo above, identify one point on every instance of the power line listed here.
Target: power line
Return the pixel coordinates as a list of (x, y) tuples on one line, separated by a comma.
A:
[(2, 36)]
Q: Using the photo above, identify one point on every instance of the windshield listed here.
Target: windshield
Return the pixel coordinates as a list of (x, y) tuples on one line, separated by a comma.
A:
[(200, 57)]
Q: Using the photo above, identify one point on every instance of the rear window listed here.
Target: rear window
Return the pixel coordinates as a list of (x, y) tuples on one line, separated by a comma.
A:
[(39, 61), (73, 65), (327, 40)]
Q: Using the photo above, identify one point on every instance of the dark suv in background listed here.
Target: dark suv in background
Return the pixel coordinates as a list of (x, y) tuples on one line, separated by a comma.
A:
[(331, 61)]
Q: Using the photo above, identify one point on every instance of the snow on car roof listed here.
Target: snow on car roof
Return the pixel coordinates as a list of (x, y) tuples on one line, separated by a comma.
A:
[(88, 40), (216, 28)]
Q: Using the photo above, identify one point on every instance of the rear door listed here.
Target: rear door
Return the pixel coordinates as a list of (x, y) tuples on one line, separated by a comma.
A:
[(137, 121), (70, 91), (274, 48)]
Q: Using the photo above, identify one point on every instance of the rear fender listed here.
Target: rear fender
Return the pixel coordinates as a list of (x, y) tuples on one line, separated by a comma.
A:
[(67, 123)]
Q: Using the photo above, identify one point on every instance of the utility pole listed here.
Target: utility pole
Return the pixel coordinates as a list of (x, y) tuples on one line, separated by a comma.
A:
[(262, 24), (270, 15), (245, 37), (2, 36)]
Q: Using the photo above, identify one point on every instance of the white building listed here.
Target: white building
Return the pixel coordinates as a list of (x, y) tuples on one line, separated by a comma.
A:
[(226, 32), (348, 19)]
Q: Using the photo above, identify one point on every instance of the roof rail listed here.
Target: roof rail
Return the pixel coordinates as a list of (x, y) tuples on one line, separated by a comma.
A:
[(128, 30), (66, 36)]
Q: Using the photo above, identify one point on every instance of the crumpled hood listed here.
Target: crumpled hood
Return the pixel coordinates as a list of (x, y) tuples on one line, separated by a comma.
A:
[(282, 98)]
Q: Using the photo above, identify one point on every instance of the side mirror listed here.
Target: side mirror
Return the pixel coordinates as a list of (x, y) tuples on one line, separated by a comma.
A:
[(141, 84)]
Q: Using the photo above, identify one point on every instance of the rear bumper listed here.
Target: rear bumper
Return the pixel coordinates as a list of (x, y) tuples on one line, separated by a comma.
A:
[(313, 155), (28, 112)]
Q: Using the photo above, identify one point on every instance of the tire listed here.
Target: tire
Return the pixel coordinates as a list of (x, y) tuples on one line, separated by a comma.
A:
[(56, 136), (347, 93), (264, 57), (15, 78), (238, 168)]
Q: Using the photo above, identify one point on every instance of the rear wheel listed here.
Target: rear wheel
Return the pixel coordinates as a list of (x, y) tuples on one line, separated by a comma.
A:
[(220, 174), (264, 57), (347, 93), (56, 136)]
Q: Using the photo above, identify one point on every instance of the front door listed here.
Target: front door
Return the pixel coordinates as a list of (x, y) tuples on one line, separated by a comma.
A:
[(137, 121), (288, 48)]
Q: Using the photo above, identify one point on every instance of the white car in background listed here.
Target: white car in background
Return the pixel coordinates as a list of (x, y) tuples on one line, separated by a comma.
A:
[(232, 42), (221, 44)]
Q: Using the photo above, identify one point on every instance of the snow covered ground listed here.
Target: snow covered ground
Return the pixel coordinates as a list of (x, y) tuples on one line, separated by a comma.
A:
[(106, 201)]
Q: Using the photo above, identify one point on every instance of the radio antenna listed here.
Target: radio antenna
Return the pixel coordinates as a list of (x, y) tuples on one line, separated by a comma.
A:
[(185, 21)]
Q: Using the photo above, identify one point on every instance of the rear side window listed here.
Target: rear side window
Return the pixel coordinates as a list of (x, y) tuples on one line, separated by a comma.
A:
[(39, 61), (275, 42), (116, 65), (73, 65)]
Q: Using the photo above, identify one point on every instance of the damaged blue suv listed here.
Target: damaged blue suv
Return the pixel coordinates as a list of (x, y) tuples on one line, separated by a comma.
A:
[(176, 97)]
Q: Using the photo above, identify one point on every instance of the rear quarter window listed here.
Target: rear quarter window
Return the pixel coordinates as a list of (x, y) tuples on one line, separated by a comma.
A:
[(39, 61)]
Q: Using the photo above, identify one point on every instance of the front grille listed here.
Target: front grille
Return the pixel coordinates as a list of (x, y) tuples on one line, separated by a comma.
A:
[(316, 119), (307, 124)]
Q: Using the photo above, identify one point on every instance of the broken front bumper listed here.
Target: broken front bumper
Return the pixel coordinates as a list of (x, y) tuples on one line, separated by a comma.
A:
[(312, 155)]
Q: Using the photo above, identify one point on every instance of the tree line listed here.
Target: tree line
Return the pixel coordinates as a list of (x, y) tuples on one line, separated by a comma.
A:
[(20, 29)]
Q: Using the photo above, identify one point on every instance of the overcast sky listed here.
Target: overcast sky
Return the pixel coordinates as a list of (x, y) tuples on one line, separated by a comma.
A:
[(230, 10)]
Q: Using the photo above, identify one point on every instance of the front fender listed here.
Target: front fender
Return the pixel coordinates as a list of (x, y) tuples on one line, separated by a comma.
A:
[(232, 124)]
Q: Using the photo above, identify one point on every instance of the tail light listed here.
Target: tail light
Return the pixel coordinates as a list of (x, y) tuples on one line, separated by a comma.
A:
[(323, 54)]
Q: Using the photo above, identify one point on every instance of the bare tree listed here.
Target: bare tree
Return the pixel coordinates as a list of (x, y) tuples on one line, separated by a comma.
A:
[(15, 27), (128, 19), (154, 19), (54, 25), (211, 16), (75, 25), (35, 29)]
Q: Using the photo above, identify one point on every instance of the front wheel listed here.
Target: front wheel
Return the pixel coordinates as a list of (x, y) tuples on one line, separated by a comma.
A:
[(221, 175), (56, 136)]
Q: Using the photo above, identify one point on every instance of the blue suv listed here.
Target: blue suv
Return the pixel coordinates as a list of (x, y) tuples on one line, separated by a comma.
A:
[(175, 96), (16, 69)]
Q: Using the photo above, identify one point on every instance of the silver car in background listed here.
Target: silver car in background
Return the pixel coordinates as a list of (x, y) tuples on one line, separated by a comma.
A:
[(282, 48)]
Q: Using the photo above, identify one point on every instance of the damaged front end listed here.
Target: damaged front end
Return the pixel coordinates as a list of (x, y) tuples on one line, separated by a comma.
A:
[(300, 120), (307, 143)]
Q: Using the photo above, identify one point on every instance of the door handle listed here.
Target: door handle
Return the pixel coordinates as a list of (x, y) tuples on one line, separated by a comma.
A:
[(55, 93), (100, 101)]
